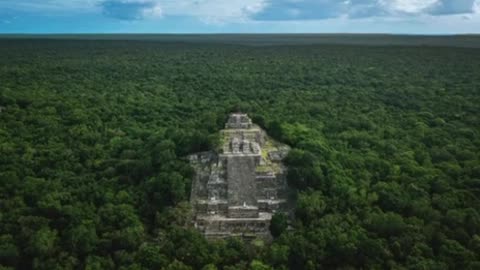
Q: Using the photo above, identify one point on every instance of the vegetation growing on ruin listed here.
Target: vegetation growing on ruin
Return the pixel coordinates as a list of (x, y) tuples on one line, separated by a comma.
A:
[(385, 159)]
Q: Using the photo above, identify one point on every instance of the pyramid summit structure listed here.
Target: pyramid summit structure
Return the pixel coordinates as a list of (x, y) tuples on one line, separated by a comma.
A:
[(238, 188)]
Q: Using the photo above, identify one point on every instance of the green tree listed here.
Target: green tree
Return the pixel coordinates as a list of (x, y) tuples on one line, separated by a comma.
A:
[(278, 224)]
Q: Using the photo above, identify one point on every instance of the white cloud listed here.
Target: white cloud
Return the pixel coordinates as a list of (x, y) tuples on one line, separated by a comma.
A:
[(422, 24), (447, 7), (214, 10), (407, 6), (207, 10), (232, 11), (155, 11)]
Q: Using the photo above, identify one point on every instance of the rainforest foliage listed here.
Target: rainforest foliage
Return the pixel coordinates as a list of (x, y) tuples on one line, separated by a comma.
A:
[(93, 135)]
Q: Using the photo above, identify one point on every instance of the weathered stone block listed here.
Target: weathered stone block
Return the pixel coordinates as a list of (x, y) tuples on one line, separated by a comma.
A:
[(243, 211)]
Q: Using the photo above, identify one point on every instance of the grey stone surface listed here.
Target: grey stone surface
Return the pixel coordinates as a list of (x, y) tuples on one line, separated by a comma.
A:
[(238, 121), (241, 180), (237, 189)]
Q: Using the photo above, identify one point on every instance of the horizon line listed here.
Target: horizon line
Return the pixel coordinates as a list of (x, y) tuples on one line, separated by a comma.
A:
[(243, 33)]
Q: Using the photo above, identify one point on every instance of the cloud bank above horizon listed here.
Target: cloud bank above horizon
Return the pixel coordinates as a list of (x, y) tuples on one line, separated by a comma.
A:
[(198, 15)]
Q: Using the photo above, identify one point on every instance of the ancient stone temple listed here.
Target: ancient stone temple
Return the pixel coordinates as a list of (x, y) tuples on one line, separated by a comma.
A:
[(238, 187)]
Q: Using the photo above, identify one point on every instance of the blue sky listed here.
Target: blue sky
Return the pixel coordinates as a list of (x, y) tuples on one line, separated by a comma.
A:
[(240, 16)]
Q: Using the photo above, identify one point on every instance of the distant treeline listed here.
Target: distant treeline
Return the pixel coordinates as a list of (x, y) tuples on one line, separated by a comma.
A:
[(467, 41)]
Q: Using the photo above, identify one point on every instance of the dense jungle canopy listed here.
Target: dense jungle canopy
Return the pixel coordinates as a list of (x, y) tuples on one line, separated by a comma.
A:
[(93, 135)]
